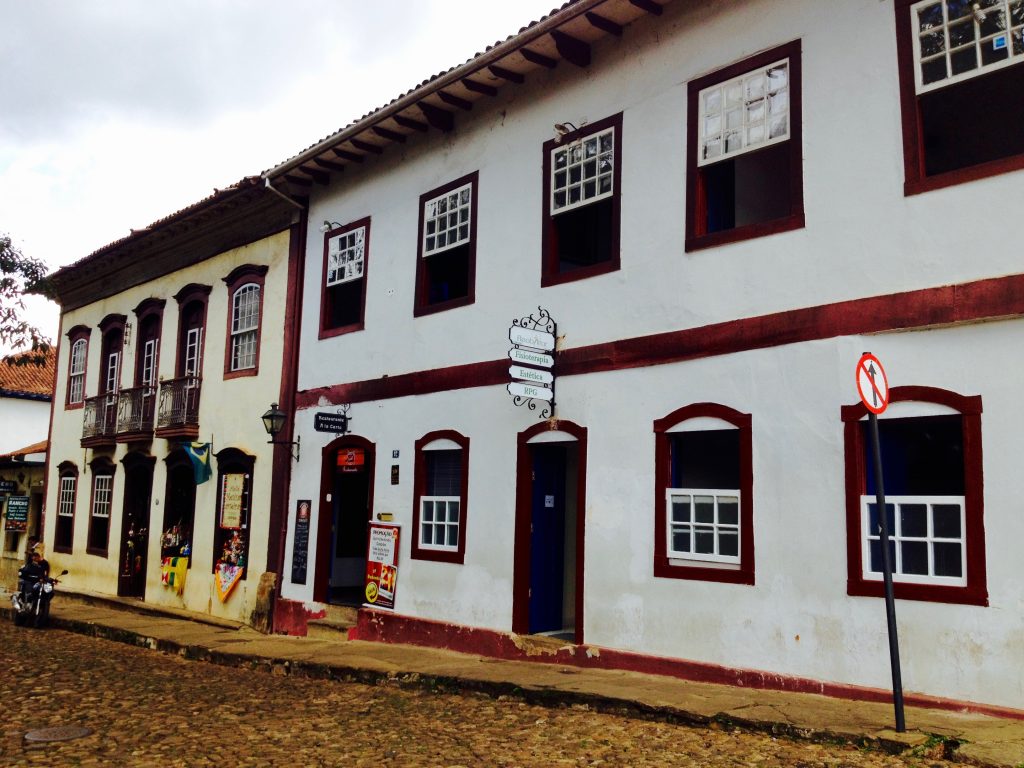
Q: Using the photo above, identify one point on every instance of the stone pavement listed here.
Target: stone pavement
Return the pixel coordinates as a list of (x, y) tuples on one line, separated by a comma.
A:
[(964, 737)]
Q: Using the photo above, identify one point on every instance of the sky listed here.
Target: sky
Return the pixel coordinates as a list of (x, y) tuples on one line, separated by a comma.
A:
[(116, 113)]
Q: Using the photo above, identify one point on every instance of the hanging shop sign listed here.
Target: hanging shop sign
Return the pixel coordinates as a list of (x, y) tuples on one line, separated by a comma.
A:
[(333, 422), (300, 541), (17, 513), (352, 459), (8, 486), (231, 500), (533, 378), (382, 565)]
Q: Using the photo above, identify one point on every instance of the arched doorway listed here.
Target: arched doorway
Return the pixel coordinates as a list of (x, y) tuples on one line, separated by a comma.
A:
[(345, 509), (547, 591), (179, 507), (135, 524)]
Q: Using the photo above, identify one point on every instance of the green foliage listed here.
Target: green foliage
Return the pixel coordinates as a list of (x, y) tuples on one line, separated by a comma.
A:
[(20, 275)]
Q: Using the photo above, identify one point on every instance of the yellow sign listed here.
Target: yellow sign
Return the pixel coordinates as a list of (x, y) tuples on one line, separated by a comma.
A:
[(371, 592), (231, 501)]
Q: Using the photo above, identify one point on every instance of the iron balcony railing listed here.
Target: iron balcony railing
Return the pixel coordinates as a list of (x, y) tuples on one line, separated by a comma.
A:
[(135, 409), (100, 416), (179, 402)]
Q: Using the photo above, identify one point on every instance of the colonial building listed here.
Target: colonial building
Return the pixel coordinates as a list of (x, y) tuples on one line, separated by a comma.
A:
[(699, 216), (173, 343)]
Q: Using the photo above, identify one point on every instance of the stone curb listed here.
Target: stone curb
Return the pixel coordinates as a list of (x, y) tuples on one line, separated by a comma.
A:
[(918, 743)]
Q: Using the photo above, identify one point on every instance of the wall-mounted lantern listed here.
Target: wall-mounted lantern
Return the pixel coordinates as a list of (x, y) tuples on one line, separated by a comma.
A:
[(273, 422)]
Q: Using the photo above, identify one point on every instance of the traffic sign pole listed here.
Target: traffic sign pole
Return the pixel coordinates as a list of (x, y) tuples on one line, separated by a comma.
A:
[(873, 387)]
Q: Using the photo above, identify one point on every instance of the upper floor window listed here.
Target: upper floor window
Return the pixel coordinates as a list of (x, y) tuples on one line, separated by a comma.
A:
[(582, 172), (63, 537), (79, 338), (343, 298), (149, 316), (960, 81), (446, 267), (100, 507), (192, 300), (111, 348), (744, 168), (439, 515), (704, 516), (245, 308), (931, 468)]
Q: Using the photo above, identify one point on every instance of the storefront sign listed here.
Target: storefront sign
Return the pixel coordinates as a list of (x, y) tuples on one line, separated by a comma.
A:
[(231, 500), (533, 380), (382, 565), (300, 542), (8, 486), (17, 513), (352, 459), (336, 423)]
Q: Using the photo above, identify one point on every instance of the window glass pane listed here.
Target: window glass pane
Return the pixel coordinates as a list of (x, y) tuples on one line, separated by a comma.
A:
[(426, 533), (946, 521), (934, 70), (728, 510), (876, 554), (948, 560), (705, 541), (453, 511), (915, 557), (874, 523), (453, 535), (681, 541), (681, 509), (964, 60), (913, 520), (444, 473), (729, 545), (704, 509), (929, 17)]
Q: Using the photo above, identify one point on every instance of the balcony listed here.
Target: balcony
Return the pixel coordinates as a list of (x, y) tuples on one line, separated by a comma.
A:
[(135, 409), (178, 409), (99, 421)]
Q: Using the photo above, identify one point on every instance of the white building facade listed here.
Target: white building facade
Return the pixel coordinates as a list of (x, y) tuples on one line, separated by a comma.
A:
[(722, 207)]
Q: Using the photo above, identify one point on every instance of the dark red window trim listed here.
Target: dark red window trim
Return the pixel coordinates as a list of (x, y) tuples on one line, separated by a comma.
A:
[(549, 274), (419, 486), (696, 237), (976, 591), (421, 307), (101, 465), (190, 293), (65, 469), (146, 309), (915, 180), (75, 334), (325, 332), (662, 477), (109, 326), (238, 277)]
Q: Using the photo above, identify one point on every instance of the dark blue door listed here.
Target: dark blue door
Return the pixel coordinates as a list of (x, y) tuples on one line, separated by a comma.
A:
[(547, 538)]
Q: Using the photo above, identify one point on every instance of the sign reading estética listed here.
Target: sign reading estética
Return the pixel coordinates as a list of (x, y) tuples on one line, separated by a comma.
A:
[(530, 374), (533, 378)]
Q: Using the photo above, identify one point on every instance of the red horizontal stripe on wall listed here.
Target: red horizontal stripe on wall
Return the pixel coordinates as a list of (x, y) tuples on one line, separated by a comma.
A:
[(989, 299)]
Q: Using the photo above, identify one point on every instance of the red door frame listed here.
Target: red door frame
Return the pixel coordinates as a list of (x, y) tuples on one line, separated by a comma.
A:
[(524, 513), (328, 466)]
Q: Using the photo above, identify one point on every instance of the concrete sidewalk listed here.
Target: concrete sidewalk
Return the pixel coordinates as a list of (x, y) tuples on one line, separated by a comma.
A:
[(965, 737)]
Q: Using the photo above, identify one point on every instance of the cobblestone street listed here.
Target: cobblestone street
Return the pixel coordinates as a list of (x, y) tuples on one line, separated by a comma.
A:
[(151, 709)]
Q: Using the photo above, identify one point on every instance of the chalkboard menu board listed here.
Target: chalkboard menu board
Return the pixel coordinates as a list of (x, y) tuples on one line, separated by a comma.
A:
[(17, 513), (300, 542)]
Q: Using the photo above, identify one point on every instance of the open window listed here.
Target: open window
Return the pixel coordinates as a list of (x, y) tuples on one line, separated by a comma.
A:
[(446, 267), (245, 312), (582, 177), (78, 337), (67, 493), (704, 508), (343, 296), (931, 470), (961, 77), (102, 470), (744, 163), (439, 512)]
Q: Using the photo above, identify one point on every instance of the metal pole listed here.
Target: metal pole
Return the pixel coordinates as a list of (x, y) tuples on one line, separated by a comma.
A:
[(890, 599)]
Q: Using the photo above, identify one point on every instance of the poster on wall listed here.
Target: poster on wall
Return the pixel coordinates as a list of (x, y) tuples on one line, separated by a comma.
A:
[(382, 565), (17, 513), (300, 542), (231, 501)]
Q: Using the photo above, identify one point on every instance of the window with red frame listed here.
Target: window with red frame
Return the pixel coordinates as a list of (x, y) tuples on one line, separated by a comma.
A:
[(961, 76), (744, 166), (343, 297), (79, 338), (67, 494), (245, 310), (100, 507), (446, 267), (439, 514)]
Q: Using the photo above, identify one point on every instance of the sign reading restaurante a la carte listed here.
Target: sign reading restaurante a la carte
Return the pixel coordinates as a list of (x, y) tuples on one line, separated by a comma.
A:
[(533, 357)]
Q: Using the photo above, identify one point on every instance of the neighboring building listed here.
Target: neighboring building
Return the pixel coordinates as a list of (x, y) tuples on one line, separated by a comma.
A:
[(722, 204), (26, 391), (174, 339)]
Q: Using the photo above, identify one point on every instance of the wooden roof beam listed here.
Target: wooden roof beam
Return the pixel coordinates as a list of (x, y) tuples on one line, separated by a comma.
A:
[(647, 5), (475, 87), (605, 25), (573, 50), (296, 181), (455, 101), (408, 122), (327, 165), (507, 74), (384, 133), (366, 146), (441, 119), (318, 176), (344, 154), (538, 58)]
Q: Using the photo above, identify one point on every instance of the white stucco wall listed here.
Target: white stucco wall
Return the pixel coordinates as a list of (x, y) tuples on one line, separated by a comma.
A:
[(229, 416), (863, 238)]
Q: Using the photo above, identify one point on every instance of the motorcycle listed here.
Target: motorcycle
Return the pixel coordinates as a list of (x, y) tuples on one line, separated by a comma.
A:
[(32, 603)]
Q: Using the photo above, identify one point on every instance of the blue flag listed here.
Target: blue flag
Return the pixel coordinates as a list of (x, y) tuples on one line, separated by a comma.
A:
[(199, 453)]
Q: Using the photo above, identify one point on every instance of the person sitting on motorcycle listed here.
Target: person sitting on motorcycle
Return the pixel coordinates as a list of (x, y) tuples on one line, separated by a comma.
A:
[(30, 574)]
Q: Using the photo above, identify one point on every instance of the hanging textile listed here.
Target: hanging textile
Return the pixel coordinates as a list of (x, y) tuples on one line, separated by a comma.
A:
[(199, 454), (226, 577), (172, 573)]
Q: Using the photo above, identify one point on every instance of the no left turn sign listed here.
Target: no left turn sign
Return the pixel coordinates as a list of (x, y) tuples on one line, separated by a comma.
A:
[(872, 383)]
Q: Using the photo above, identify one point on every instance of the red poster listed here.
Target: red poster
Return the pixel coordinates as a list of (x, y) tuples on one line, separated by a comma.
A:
[(382, 565)]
